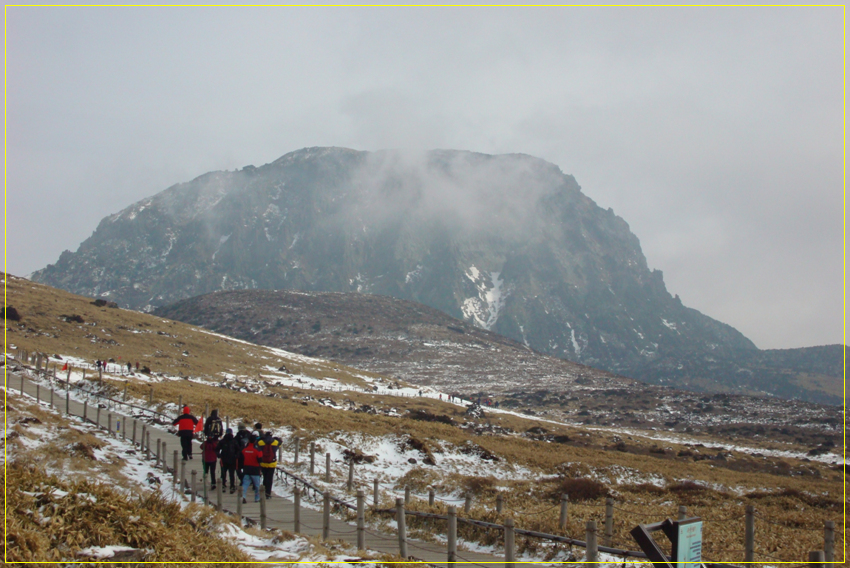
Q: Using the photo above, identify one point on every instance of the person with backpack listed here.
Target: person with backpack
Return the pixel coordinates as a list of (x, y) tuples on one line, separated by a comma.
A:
[(228, 454), (251, 469), (210, 447), (241, 441), (213, 427), (268, 446), (185, 430)]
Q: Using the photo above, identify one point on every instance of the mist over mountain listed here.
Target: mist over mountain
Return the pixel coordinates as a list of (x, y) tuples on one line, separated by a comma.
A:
[(508, 243)]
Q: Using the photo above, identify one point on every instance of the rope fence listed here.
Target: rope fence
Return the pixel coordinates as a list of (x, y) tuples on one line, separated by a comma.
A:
[(314, 492)]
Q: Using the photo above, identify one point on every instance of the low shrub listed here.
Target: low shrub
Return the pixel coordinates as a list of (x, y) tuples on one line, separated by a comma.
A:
[(581, 489)]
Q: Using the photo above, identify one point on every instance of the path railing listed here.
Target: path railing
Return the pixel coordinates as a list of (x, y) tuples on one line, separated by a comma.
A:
[(401, 511)]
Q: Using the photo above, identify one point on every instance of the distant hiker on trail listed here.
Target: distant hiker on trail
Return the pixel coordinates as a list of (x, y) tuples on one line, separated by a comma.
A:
[(251, 469), (228, 452), (129, 368), (185, 429), (209, 447), (213, 427), (268, 446)]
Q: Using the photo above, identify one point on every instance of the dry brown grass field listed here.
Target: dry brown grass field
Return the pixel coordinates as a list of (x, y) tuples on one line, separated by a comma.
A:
[(793, 497)]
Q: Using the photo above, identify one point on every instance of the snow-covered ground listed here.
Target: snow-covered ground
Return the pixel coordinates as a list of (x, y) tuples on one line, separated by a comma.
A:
[(137, 471)]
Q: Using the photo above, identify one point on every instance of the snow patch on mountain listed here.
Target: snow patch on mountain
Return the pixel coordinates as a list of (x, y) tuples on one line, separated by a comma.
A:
[(221, 241), (483, 310)]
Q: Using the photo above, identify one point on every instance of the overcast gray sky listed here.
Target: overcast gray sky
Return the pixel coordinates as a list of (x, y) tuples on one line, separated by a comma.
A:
[(717, 134)]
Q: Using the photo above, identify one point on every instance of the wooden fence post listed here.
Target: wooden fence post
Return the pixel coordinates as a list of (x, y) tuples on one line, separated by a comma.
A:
[(38, 395), (218, 497), (180, 404), (148, 445), (361, 520), (164, 458), (175, 465), (263, 523), (150, 396), (296, 498), (238, 506), (402, 529), (510, 555), (609, 521), (52, 393), (467, 504), (142, 441), (431, 496), (829, 543), (406, 495), (22, 384), (312, 458), (98, 416), (134, 431), (683, 512), (125, 391), (68, 400), (749, 533), (326, 515), (109, 423), (816, 558), (328, 467), (85, 411), (158, 447), (375, 493), (194, 484), (452, 534), (297, 443), (590, 537), (350, 484), (182, 476), (565, 509)]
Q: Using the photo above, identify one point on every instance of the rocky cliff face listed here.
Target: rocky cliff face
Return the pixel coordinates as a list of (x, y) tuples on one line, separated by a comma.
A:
[(508, 243)]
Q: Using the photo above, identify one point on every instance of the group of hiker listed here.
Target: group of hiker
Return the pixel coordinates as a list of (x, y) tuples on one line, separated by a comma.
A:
[(249, 455)]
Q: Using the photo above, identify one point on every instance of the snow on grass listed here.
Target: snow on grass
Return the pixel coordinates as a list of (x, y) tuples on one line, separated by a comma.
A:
[(137, 471)]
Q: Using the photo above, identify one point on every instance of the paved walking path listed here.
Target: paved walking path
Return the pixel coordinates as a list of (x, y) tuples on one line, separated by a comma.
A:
[(279, 510)]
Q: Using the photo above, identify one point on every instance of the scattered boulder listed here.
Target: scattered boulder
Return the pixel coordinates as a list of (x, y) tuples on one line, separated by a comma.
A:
[(420, 446), (426, 416), (472, 449), (357, 456), (475, 411), (75, 318), (11, 314)]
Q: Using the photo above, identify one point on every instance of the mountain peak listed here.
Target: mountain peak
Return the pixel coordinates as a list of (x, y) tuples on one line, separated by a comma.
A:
[(507, 242)]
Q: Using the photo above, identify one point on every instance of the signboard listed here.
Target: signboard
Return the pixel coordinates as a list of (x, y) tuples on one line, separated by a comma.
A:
[(685, 536), (688, 543)]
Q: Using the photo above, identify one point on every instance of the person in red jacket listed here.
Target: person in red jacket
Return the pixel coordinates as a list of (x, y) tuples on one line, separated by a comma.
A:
[(210, 448), (185, 430), (251, 469)]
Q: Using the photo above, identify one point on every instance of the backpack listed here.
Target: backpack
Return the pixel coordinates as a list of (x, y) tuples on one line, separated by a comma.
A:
[(213, 428), (228, 450), (269, 452), (241, 440)]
